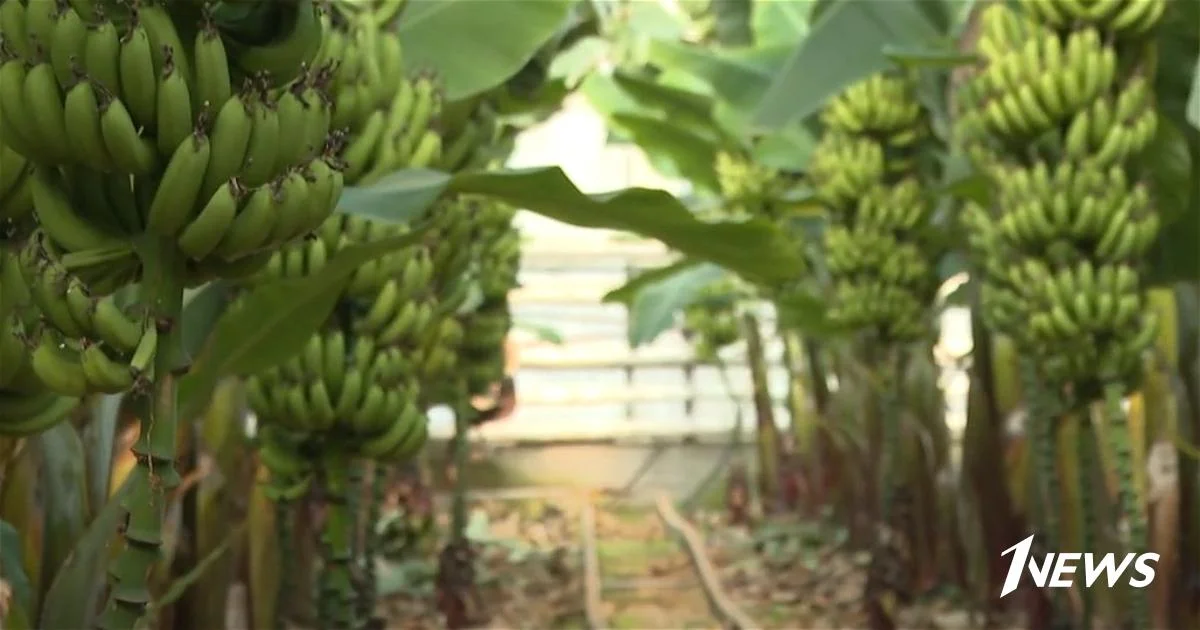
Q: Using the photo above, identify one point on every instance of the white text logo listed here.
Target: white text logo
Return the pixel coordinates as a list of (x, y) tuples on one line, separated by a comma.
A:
[(1059, 570)]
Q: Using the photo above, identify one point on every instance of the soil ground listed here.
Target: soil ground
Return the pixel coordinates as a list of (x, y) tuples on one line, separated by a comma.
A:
[(531, 567)]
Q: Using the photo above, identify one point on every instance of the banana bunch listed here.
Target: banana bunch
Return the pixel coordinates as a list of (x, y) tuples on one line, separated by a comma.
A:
[(845, 165), (879, 105), (472, 250), (1068, 211), (1073, 217), (353, 392), (86, 343), (749, 189), (160, 120), (712, 322), (138, 123), (388, 114), (470, 130), (1128, 20), (357, 382), (480, 352), (481, 355), (1037, 81), (1080, 316), (864, 170), (27, 405)]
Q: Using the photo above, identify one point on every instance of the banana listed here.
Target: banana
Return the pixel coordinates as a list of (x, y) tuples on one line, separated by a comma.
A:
[(400, 325), (19, 130), (79, 303), (321, 406), (411, 444), (70, 38), (82, 114), (428, 150), (139, 80), (297, 407), (279, 60), (350, 395), (112, 326), (205, 232), (334, 363), (59, 367), (292, 490), (59, 219), (370, 409), (40, 19), (146, 350), (164, 38), (211, 72), (102, 54), (383, 309), (49, 416), (46, 290), (292, 115), (281, 461), (131, 152), (104, 374), (253, 225), (12, 28), (262, 151), (396, 434), (291, 207), (312, 357), (360, 150), (177, 192), (325, 189), (174, 120), (44, 104), (230, 138)]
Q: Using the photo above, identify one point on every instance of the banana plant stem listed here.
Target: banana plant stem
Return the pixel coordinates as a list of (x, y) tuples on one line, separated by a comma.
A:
[(354, 506), (1041, 423), (1117, 429), (888, 399), (461, 450), (377, 496), (154, 477), (285, 526), (1087, 512), (335, 582)]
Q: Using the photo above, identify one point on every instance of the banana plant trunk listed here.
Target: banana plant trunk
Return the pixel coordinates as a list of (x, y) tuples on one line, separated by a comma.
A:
[(983, 460), (805, 457), (155, 476), (767, 436)]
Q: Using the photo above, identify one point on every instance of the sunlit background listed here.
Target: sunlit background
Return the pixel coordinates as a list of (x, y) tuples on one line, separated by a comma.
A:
[(593, 385)]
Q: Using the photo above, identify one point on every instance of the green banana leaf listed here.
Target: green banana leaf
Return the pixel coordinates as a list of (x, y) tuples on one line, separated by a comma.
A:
[(19, 508), (854, 34), (74, 594), (755, 249), (12, 571), (98, 437), (655, 297), (64, 494), (272, 322), (475, 46)]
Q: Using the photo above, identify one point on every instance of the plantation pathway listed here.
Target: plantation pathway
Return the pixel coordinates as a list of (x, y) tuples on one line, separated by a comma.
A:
[(639, 575)]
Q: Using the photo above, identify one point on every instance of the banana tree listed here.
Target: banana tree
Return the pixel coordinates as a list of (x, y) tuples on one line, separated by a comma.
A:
[(932, 37), (276, 318)]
